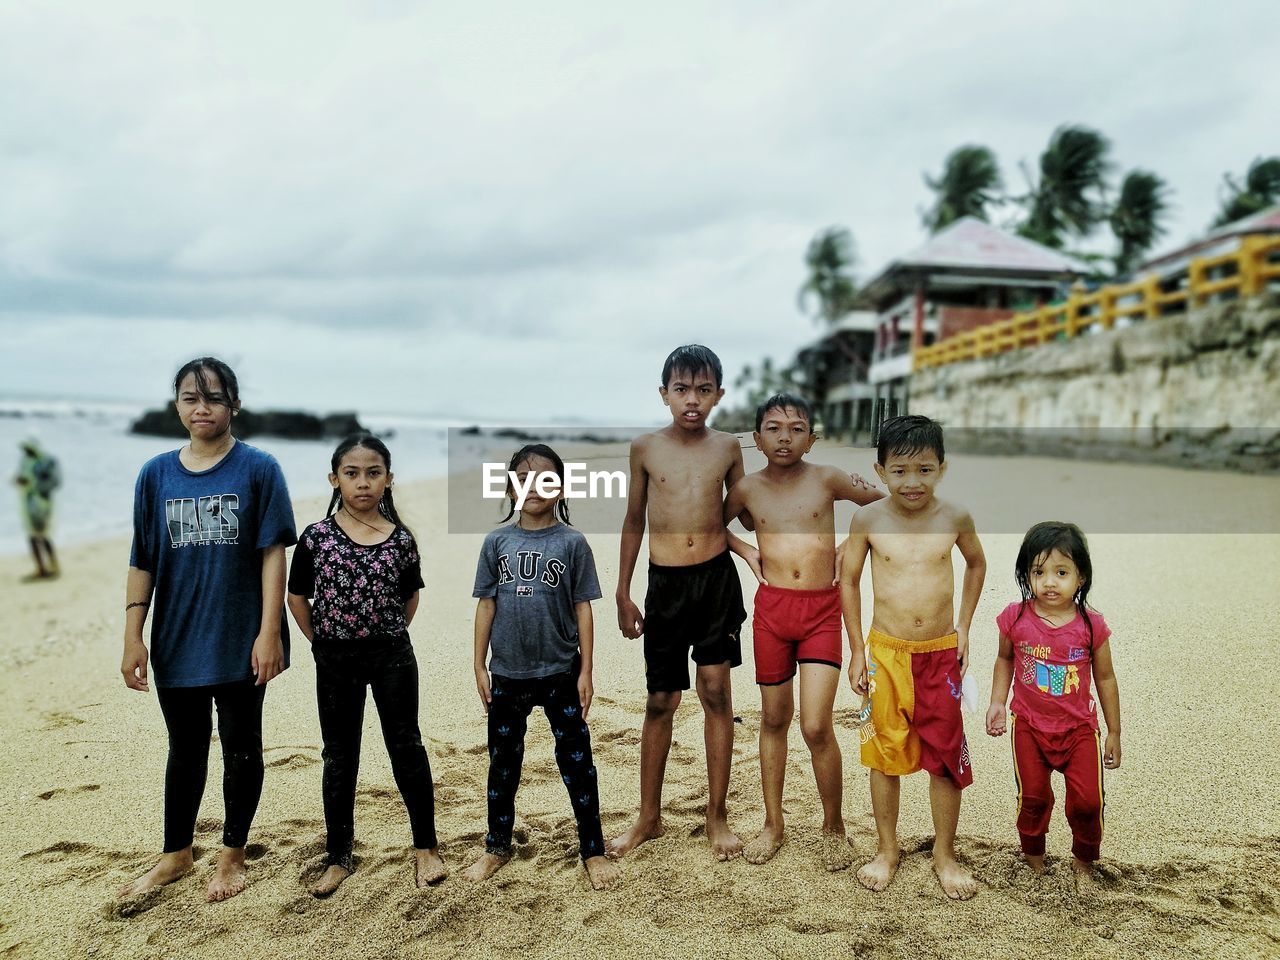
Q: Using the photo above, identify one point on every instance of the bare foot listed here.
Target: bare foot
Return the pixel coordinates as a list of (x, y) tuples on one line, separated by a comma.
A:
[(724, 842), (329, 880), (1036, 863), (639, 832), (1086, 882), (485, 867), (837, 855), (957, 882), (603, 872), (878, 874), (168, 868), (229, 877), (430, 868), (767, 842)]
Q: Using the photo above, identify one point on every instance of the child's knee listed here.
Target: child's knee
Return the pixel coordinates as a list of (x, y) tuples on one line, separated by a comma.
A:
[(714, 693), (775, 722), (817, 732), (1086, 810), (661, 705)]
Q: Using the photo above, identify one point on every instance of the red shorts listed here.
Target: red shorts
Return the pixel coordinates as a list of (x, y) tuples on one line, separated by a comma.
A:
[(795, 626)]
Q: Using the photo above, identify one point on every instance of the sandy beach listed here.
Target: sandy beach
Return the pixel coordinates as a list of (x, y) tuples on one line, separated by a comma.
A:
[(1190, 859)]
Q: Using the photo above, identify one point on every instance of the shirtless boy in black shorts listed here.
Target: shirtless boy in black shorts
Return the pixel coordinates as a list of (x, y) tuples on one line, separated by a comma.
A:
[(680, 474)]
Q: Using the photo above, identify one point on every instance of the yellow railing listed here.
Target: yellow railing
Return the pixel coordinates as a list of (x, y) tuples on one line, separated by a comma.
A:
[(1245, 271)]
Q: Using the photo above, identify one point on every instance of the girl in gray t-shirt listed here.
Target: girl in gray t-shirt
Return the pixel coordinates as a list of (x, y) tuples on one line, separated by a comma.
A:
[(533, 646)]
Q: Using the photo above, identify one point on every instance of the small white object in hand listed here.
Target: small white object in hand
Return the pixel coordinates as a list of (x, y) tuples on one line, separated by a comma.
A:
[(969, 693)]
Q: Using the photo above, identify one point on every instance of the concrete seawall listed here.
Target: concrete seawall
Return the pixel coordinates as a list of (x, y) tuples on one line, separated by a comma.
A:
[(1199, 389)]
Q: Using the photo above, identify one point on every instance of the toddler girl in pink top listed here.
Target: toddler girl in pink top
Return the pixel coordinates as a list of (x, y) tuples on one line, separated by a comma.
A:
[(1052, 645)]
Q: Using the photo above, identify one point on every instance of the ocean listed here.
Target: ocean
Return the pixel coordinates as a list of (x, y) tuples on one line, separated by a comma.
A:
[(100, 461)]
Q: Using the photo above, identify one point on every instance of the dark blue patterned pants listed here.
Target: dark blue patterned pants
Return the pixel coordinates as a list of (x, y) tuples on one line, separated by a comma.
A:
[(513, 701)]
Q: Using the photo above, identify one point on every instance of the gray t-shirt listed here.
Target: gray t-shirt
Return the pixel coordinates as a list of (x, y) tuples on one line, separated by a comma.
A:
[(536, 577)]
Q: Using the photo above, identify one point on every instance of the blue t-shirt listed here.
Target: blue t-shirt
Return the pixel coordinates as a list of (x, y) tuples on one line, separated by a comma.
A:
[(201, 535), (535, 577)]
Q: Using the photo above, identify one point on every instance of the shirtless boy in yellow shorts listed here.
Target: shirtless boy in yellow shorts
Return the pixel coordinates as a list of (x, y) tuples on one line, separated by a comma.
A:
[(918, 648)]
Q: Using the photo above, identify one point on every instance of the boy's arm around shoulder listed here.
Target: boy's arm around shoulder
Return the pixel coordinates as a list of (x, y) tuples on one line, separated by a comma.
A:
[(844, 487), (630, 619), (737, 473)]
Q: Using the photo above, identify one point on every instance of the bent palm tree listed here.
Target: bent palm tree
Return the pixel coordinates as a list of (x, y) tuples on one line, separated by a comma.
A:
[(1261, 189), (1135, 219), (829, 258), (1068, 198), (970, 180)]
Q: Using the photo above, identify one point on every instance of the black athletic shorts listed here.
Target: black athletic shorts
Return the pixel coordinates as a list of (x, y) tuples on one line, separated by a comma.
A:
[(697, 607)]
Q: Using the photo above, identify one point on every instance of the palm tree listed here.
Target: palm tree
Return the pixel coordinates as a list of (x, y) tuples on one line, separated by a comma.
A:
[(1135, 219), (1261, 189), (1069, 194), (970, 180), (829, 258)]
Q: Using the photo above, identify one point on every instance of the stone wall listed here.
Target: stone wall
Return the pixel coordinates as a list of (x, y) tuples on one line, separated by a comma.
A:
[(1201, 389)]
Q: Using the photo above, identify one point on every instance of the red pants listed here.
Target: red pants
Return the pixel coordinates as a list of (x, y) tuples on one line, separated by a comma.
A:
[(1077, 754)]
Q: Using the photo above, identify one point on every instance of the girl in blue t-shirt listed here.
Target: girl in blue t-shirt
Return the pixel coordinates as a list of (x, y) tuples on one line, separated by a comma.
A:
[(210, 525), (535, 582), (353, 589)]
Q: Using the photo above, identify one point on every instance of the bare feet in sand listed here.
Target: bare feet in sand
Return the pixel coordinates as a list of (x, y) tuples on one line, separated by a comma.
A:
[(878, 874), (1036, 863), (639, 832), (430, 868), (602, 872), (485, 867), (329, 880), (761, 850), (957, 882), (168, 868), (837, 855), (724, 842), (1086, 881), (229, 877)]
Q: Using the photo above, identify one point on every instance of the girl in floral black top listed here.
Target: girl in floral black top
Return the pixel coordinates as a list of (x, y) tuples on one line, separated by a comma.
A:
[(353, 589)]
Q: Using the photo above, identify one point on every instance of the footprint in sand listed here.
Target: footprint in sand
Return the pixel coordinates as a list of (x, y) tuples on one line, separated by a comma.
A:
[(294, 761), (56, 719), (83, 788)]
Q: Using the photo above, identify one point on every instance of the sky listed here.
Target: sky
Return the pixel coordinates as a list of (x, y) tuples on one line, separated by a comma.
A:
[(513, 212)]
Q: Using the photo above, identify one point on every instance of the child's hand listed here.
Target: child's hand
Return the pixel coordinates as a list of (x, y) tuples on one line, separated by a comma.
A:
[(267, 658), (482, 686), (858, 675), (860, 483), (630, 619), (585, 692), (962, 650), (996, 720), (134, 666), (752, 556), (1111, 750)]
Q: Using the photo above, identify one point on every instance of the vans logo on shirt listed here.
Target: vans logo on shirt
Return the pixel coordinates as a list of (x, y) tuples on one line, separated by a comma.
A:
[(206, 520), (528, 563)]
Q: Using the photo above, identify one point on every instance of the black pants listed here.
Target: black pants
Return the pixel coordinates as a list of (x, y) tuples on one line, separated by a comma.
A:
[(344, 669), (513, 701), (188, 714)]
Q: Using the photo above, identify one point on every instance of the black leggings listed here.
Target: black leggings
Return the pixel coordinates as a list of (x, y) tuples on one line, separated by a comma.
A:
[(344, 669), (188, 713), (513, 701)]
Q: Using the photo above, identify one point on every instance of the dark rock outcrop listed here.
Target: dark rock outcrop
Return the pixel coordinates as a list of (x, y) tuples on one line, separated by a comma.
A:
[(288, 424)]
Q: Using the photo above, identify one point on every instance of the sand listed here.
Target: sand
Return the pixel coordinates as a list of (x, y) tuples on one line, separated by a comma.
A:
[(1191, 856)]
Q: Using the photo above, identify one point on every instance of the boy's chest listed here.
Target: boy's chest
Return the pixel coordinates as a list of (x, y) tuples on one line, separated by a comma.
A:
[(805, 508)]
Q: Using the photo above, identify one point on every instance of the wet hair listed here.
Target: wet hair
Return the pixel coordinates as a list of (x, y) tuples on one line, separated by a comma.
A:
[(907, 436), (523, 454), (387, 505), (692, 359), (202, 367), (783, 402), (1040, 541)]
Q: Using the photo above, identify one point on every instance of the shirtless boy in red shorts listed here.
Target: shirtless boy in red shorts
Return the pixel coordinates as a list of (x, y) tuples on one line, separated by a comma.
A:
[(797, 614), (918, 648)]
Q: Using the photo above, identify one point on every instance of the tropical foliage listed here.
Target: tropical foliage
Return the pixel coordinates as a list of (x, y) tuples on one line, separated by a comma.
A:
[(970, 182), (1260, 189), (829, 260), (1068, 197), (1136, 218)]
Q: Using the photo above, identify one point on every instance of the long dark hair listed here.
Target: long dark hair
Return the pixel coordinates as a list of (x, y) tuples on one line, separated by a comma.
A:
[(1040, 541), (523, 454), (387, 505)]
